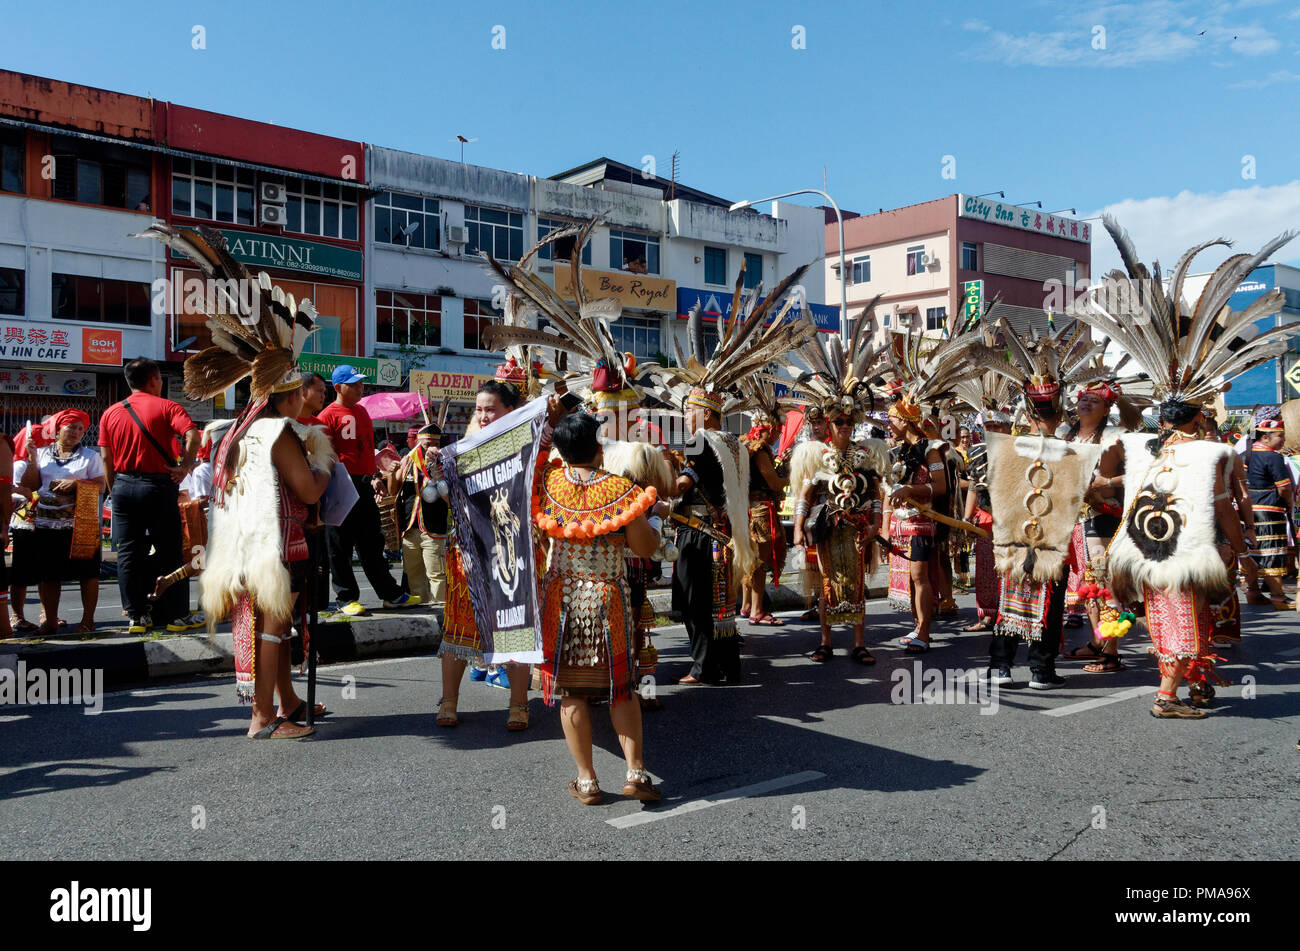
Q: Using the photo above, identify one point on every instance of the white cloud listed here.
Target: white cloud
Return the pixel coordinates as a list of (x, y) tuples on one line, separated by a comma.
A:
[(1164, 227), (1278, 76), (1152, 31)]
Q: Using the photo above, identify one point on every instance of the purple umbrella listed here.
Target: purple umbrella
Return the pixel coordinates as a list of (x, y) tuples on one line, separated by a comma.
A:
[(396, 405)]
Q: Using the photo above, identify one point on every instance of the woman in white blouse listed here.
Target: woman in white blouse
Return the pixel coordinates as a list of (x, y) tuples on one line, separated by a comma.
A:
[(57, 470)]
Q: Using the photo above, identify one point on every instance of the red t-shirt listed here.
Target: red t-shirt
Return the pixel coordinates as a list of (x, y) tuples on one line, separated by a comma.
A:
[(131, 451), (310, 420), (353, 435)]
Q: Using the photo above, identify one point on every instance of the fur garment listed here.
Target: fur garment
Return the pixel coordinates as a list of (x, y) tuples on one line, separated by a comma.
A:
[(1167, 539), (735, 482), (244, 539), (1018, 552), (642, 463)]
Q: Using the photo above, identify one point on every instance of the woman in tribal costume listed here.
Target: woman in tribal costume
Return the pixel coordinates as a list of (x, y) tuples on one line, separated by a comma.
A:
[(847, 479), (766, 490), (593, 519), (1268, 479), (979, 511), (1179, 532)]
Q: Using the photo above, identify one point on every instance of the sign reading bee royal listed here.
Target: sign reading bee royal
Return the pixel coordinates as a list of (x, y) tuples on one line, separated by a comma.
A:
[(490, 478)]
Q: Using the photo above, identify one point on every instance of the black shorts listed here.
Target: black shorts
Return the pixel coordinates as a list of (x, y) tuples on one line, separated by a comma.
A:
[(52, 562), (921, 548), (22, 562), (299, 574)]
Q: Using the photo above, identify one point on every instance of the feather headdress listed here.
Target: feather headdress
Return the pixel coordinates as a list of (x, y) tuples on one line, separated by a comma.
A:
[(747, 344), (989, 393), (928, 369), (1045, 363), (257, 329), (582, 348), (1193, 354), (835, 377)]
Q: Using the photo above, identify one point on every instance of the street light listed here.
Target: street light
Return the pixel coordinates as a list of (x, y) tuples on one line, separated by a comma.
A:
[(986, 194), (1026, 204), (1058, 211), (846, 326)]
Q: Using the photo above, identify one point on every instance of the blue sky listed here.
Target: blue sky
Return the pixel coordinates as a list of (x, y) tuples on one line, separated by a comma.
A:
[(1144, 117)]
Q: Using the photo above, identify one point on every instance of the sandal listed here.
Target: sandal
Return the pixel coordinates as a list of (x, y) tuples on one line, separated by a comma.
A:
[(766, 620), (447, 712), (586, 791), (822, 654), (638, 786), (917, 646), (275, 730), (1079, 653), (23, 626), (1166, 709), (1105, 664), (84, 628), (518, 717), (300, 712), (862, 656)]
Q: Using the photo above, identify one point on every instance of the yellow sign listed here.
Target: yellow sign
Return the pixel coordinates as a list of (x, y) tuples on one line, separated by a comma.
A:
[(437, 385), (631, 290), (1293, 377)]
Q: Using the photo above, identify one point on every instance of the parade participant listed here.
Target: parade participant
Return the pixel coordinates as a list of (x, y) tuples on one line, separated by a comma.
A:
[(838, 483), (143, 475), (68, 480), (22, 530), (1268, 479), (6, 512), (1036, 488), (314, 396), (979, 511), (353, 435), (1098, 521), (713, 485), (422, 516), (766, 490), (593, 519), (1179, 533), (267, 470)]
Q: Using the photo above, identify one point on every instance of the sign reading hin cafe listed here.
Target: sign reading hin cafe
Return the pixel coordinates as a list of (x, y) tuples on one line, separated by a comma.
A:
[(1026, 219), (262, 251)]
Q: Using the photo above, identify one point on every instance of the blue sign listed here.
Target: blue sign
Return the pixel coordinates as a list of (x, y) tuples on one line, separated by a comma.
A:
[(1258, 386), (717, 303)]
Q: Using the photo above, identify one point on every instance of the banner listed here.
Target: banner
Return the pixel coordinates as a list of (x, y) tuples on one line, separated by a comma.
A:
[(47, 383), (490, 478)]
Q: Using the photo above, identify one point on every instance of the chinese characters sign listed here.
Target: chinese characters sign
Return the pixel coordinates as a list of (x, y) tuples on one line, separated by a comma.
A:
[(1026, 219), (55, 343), (46, 383)]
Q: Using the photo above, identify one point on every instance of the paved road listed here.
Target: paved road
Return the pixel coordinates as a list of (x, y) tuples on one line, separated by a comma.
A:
[(809, 762)]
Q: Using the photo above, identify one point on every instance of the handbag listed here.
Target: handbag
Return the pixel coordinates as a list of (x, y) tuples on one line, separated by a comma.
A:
[(340, 495), (819, 524)]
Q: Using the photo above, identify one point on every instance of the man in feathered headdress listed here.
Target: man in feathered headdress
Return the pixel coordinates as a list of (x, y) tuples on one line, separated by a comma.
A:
[(1167, 550), (1268, 479)]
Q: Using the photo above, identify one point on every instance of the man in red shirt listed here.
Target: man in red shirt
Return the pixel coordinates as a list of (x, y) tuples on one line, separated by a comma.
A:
[(143, 478), (314, 394), (353, 435)]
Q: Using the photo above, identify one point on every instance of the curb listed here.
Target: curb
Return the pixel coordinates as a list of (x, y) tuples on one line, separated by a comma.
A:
[(130, 662)]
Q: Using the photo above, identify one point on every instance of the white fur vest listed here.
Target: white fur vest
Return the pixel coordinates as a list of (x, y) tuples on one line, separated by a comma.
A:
[(244, 551)]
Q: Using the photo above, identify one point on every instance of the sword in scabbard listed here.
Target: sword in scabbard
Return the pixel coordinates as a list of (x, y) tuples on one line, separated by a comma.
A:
[(954, 522), (697, 524)]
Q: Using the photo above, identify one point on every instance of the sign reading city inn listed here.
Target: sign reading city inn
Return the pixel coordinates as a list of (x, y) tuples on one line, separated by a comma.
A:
[(260, 251), (631, 290)]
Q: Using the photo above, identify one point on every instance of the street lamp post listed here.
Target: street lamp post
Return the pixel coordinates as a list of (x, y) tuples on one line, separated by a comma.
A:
[(846, 325)]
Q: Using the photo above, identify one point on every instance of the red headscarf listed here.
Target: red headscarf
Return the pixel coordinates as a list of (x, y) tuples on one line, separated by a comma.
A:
[(63, 418)]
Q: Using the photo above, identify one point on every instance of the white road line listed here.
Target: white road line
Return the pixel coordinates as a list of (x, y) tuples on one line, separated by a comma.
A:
[(1291, 653), (695, 805), (1098, 702)]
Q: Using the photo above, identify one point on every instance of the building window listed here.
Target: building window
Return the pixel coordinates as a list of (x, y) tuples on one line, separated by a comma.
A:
[(561, 250), (321, 208), (478, 314), (936, 318), (408, 221), (212, 191), (914, 254), (969, 256), (715, 266), (885, 322), (638, 253), (98, 300), (499, 233), (95, 173), (637, 335), (405, 318), (11, 292), (753, 270), (11, 161), (862, 269)]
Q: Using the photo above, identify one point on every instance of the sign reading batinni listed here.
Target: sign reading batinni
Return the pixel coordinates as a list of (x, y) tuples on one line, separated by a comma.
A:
[(490, 478)]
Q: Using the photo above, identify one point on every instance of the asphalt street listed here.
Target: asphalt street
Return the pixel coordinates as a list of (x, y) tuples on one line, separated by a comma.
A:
[(799, 761)]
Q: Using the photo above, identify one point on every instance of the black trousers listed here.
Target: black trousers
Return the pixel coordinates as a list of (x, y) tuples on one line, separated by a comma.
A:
[(318, 587), (1042, 653), (361, 530), (146, 514), (712, 658)]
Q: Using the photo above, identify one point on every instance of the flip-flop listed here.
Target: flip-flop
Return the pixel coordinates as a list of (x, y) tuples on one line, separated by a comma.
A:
[(917, 646), (1105, 665), (1091, 655), (268, 732), (767, 620), (904, 641), (300, 712)]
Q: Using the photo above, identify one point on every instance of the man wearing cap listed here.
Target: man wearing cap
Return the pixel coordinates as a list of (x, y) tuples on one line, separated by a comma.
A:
[(353, 435), (422, 515), (1269, 480)]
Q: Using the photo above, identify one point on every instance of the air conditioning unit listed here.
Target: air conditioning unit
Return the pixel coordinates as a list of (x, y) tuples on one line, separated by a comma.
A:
[(903, 319), (272, 193), (929, 260), (457, 234), (273, 215)]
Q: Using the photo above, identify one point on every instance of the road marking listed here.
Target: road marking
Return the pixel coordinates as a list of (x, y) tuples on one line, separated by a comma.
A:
[(1291, 653), (1098, 702), (744, 792)]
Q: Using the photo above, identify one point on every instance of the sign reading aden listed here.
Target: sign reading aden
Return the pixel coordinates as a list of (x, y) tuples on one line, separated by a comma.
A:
[(630, 290), (437, 385)]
